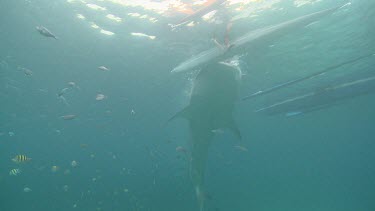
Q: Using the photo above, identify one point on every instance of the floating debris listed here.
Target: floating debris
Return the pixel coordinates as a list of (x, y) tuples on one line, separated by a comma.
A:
[(68, 117), (45, 32), (10, 133), (103, 68), (100, 97), (27, 190), (14, 172), (21, 159)]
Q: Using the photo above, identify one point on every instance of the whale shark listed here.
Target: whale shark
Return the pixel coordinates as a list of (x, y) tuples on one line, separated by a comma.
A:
[(212, 101), (244, 43), (215, 92)]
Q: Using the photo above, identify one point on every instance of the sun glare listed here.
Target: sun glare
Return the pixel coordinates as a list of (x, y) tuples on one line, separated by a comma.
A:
[(114, 18), (95, 7), (109, 33), (137, 34), (80, 16)]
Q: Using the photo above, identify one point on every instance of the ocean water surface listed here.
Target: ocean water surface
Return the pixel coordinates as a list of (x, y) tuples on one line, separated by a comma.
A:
[(88, 103)]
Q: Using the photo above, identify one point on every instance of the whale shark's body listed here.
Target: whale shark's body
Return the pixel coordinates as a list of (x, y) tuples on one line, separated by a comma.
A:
[(211, 105), (215, 91)]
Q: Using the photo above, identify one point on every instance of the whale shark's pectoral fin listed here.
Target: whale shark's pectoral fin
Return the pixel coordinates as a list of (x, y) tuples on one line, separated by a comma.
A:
[(184, 113)]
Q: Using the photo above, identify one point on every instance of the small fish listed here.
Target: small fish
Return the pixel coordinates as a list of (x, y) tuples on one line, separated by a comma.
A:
[(100, 97), (72, 85), (14, 172), (74, 163), (83, 146), (293, 113), (45, 32), (181, 149), (54, 169), (103, 68), (63, 100), (68, 117), (242, 148), (27, 190), (43, 90), (65, 188), (26, 71), (21, 159), (62, 92), (218, 131)]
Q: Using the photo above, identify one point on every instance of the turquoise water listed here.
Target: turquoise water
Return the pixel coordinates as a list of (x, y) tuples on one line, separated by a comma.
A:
[(126, 156)]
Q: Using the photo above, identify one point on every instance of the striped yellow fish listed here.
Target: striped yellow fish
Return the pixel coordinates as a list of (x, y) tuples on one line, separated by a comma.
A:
[(21, 159), (14, 172)]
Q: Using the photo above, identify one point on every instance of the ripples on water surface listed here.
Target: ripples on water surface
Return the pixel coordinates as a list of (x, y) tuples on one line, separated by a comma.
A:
[(90, 107)]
